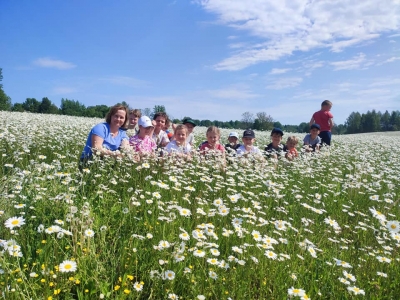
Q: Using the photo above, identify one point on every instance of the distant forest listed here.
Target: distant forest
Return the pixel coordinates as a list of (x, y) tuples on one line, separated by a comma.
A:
[(372, 121)]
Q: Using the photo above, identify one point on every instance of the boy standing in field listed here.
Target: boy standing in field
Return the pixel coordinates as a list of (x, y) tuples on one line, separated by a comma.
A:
[(325, 120)]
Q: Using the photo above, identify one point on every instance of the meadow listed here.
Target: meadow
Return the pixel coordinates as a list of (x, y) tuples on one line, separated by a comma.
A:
[(323, 226)]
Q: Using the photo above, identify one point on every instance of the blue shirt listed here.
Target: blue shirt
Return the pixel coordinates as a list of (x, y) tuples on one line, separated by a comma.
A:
[(110, 142)]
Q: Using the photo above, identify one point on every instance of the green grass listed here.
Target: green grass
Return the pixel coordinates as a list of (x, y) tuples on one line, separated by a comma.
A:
[(132, 207)]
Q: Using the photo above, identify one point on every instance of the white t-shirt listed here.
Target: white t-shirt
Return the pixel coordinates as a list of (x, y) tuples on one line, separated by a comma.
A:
[(160, 138), (172, 147), (242, 150), (190, 139)]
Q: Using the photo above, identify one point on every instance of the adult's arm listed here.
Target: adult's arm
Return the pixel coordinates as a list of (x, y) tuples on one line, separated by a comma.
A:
[(97, 146), (330, 122)]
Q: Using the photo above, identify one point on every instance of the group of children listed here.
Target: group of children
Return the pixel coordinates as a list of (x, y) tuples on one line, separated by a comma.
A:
[(148, 135)]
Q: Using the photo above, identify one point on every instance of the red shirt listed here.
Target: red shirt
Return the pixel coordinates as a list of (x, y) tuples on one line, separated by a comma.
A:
[(206, 147), (321, 118)]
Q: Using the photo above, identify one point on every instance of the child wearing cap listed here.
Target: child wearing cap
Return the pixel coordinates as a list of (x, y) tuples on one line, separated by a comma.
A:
[(142, 142), (213, 135), (275, 149), (248, 147), (291, 144), (190, 125), (312, 141), (179, 144), (233, 144), (324, 118)]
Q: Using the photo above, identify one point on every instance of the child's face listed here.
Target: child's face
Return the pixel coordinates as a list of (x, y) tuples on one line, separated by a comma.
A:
[(291, 144), (143, 131), (232, 140), (212, 138), (190, 127), (160, 122), (276, 138), (165, 127), (248, 141), (180, 136), (314, 132), (133, 119)]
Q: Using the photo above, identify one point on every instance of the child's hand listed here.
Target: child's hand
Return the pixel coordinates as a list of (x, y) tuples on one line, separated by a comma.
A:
[(154, 123), (173, 126)]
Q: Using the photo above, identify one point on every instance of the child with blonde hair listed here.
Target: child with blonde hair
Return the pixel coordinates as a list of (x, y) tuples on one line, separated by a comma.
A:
[(291, 144), (213, 135), (179, 144)]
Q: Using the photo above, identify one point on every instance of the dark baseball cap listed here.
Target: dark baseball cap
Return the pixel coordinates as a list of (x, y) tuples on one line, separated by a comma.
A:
[(277, 130), (315, 125), (187, 120), (249, 133)]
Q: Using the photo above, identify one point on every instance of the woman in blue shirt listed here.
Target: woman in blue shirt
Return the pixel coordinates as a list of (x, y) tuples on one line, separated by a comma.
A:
[(106, 138)]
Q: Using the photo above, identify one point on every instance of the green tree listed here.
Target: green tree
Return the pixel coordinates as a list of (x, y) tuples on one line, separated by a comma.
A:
[(303, 127), (277, 125), (47, 107), (247, 119), (72, 108), (5, 101), (385, 122), (395, 120), (156, 109), (266, 122), (353, 123), (18, 107), (31, 105)]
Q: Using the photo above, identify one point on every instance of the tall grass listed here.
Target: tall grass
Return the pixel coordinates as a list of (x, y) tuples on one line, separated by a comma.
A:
[(318, 227)]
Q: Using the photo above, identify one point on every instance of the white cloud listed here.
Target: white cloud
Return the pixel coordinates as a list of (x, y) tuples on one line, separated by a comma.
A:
[(301, 25), (392, 59), (394, 35), (283, 83), (355, 63), (278, 71), (126, 81), (46, 62)]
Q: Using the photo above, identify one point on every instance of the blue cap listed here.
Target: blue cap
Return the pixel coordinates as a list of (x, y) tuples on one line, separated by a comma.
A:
[(277, 130), (315, 125)]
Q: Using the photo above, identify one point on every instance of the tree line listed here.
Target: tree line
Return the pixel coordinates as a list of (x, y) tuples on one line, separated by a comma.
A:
[(372, 121)]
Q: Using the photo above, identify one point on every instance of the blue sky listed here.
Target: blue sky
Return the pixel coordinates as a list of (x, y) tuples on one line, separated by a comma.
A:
[(212, 59)]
